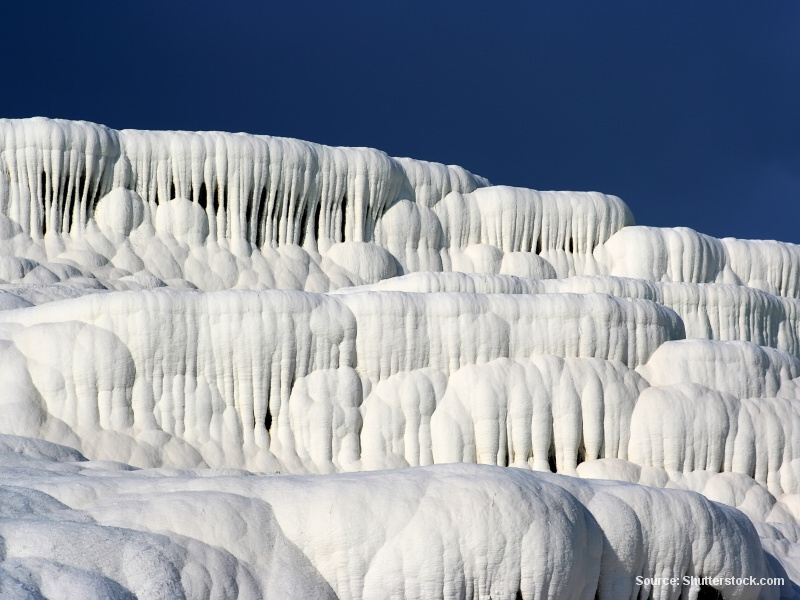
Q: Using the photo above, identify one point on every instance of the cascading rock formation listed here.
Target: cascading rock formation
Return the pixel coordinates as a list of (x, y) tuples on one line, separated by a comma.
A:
[(240, 366)]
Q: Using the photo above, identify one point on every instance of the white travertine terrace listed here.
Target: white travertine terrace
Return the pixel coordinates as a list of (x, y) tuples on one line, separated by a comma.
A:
[(238, 366)]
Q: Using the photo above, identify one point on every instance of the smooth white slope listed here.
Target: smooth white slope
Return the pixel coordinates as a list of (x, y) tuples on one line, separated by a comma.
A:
[(102, 530)]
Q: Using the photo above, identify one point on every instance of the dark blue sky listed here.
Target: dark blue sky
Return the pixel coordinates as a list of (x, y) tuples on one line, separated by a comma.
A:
[(690, 111)]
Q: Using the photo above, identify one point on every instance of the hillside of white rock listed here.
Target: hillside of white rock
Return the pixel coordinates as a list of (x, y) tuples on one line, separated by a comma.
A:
[(239, 366)]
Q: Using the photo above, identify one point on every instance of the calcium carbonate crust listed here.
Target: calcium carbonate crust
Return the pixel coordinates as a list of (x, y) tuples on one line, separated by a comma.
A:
[(301, 371)]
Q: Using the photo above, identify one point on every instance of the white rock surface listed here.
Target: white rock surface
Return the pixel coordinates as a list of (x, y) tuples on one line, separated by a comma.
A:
[(105, 531), (273, 352)]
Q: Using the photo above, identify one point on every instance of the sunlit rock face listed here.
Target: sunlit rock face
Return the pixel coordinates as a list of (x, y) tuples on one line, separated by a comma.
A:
[(239, 366)]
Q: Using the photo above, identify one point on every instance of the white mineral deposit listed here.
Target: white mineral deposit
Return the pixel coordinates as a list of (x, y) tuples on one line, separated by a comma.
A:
[(241, 366)]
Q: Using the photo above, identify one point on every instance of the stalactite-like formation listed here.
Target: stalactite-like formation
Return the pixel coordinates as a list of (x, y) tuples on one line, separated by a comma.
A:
[(347, 326)]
